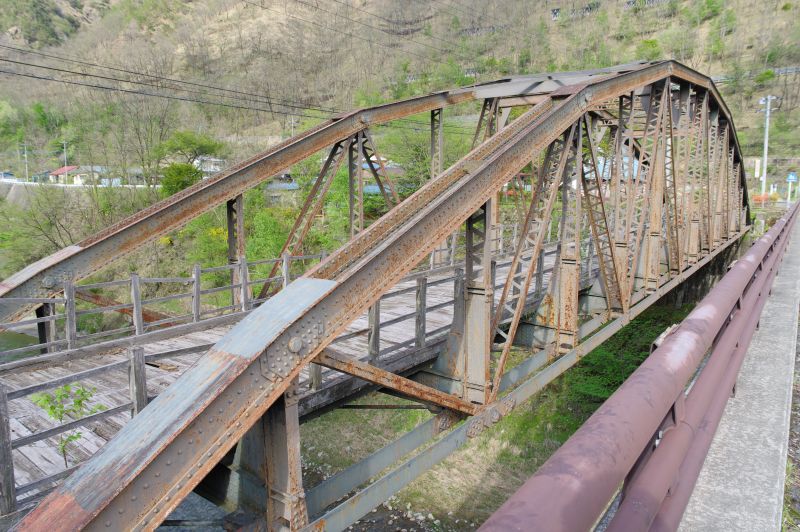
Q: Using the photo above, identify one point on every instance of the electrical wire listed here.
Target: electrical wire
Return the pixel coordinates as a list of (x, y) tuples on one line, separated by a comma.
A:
[(187, 99), (257, 98)]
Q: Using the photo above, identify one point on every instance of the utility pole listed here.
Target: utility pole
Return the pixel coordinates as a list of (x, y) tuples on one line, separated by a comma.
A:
[(25, 151), (766, 100), (65, 148)]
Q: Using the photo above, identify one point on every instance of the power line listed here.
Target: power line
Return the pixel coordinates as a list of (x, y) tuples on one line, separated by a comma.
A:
[(259, 98), (186, 99), (164, 78), (156, 95), (110, 78), (335, 30), (390, 21), (369, 25)]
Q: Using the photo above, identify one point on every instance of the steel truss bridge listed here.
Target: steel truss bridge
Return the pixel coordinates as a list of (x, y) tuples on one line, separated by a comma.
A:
[(625, 181)]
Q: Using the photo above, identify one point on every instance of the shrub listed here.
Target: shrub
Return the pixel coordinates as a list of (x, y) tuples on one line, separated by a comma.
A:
[(68, 402), (178, 176)]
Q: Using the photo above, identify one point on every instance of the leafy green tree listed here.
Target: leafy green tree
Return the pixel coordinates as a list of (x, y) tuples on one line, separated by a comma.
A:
[(66, 403), (764, 77), (178, 176), (649, 49), (190, 145)]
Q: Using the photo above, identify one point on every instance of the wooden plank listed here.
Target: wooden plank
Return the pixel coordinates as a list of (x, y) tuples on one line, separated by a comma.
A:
[(137, 379), (8, 497)]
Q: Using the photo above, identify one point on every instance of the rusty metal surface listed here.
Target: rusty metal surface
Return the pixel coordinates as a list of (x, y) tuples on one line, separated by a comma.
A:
[(387, 379), (44, 277), (160, 455), (572, 489)]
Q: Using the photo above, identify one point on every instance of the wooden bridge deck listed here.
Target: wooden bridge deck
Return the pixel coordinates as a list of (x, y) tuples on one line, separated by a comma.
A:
[(41, 459)]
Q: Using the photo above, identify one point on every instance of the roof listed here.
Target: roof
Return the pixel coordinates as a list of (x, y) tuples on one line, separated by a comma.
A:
[(63, 170)]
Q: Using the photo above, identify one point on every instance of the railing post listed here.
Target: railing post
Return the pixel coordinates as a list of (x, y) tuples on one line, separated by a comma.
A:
[(501, 243), (8, 497), (285, 269), (244, 281), (421, 309), (136, 299), (514, 242), (46, 329), (374, 334), (196, 288), (540, 271), (315, 376), (137, 379), (71, 325)]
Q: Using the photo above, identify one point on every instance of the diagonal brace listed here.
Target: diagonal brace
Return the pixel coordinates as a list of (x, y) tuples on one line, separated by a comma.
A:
[(375, 375)]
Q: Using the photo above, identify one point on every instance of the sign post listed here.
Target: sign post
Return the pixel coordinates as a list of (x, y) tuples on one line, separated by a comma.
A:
[(791, 178)]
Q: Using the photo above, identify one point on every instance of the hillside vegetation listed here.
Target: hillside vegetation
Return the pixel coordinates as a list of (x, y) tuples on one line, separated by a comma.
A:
[(276, 67)]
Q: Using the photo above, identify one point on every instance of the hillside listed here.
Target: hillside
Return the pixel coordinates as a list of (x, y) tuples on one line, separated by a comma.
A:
[(339, 54), (115, 83)]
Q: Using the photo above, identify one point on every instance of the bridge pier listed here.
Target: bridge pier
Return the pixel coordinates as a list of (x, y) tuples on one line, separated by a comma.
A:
[(463, 367), (268, 479)]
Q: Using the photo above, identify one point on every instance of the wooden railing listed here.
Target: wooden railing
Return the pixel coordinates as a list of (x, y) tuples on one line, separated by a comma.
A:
[(136, 361), (61, 315)]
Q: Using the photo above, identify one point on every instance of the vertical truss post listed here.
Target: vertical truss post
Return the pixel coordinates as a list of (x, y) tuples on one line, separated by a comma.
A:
[(437, 143), (356, 182), (657, 196), (592, 186), (569, 260), (479, 296), (528, 254), (234, 210), (706, 164), (622, 184), (269, 468), (647, 166)]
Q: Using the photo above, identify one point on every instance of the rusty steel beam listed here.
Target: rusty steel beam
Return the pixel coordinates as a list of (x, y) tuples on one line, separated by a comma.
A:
[(572, 489), (44, 277), (387, 379), (160, 455)]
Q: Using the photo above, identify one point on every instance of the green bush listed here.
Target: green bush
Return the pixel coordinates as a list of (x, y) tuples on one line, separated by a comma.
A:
[(649, 49), (178, 176), (67, 403)]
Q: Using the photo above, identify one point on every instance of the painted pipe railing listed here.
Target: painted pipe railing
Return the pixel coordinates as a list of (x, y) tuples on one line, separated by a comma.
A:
[(645, 437)]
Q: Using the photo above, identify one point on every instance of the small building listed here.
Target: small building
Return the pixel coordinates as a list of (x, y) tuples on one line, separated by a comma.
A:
[(209, 165), (282, 190), (63, 175), (89, 175)]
